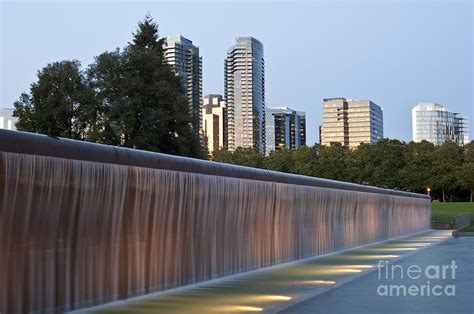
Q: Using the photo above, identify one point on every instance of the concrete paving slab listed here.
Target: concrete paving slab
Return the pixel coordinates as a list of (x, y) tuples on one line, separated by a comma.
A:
[(362, 295)]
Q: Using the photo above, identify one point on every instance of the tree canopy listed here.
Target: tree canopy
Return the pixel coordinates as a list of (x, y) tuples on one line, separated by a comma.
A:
[(448, 170), (60, 101)]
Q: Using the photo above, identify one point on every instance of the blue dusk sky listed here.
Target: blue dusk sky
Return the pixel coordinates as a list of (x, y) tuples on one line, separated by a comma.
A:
[(396, 53)]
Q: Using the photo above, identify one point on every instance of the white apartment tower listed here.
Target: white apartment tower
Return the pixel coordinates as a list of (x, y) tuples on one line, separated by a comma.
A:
[(436, 124)]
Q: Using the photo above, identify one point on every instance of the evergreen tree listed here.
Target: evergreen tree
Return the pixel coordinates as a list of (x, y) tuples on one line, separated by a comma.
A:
[(142, 95), (105, 76)]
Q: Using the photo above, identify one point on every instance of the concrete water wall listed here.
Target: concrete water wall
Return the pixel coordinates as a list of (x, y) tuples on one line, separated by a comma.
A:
[(83, 224)]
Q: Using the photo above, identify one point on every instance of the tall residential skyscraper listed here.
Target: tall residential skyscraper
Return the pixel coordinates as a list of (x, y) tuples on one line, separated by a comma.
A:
[(436, 124), (351, 122), (285, 129), (214, 114), (184, 57), (245, 94)]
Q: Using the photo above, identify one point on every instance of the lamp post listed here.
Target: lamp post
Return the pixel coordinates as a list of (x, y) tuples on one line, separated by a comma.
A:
[(428, 190)]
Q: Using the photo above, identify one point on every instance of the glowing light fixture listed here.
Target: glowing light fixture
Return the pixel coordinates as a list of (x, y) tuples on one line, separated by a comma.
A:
[(420, 239), (337, 269), (238, 308), (415, 244), (361, 266), (349, 270), (271, 298), (320, 282), (375, 256), (396, 249)]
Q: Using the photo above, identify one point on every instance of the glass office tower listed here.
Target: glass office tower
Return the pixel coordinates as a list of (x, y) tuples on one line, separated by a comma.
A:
[(285, 129)]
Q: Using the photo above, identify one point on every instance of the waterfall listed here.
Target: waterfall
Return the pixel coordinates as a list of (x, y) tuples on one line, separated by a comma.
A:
[(76, 233)]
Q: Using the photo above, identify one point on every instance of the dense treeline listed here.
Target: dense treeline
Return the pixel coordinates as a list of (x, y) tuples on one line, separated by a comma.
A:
[(447, 170), (130, 97)]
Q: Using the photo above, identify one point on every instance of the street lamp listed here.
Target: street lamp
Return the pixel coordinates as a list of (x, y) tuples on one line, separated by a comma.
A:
[(428, 190)]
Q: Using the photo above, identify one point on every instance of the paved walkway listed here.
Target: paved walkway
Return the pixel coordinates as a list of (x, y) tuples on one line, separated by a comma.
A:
[(345, 282), (361, 296)]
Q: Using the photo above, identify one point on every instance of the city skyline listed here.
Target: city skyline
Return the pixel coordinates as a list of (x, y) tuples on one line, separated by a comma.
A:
[(348, 62)]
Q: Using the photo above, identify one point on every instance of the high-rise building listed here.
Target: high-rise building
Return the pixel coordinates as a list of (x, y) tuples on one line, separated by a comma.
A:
[(285, 129), (351, 122), (245, 94), (335, 128), (7, 121), (302, 127), (436, 124), (214, 122), (184, 57)]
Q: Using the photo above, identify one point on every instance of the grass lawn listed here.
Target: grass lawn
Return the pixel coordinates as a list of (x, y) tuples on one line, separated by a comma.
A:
[(442, 212), (468, 228)]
